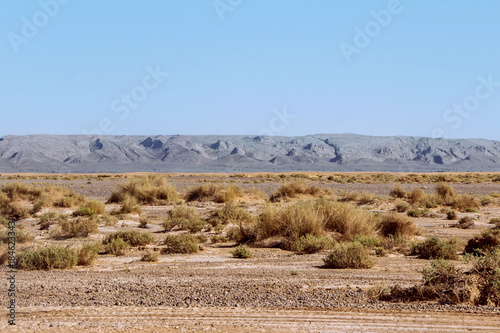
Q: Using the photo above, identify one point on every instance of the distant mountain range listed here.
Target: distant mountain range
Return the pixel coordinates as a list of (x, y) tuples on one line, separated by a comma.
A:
[(230, 153)]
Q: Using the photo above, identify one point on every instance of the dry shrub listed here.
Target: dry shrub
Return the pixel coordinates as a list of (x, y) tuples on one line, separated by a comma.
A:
[(129, 205), (95, 205), (13, 211), (183, 217), (402, 206), (74, 228), (397, 192), (417, 196), (204, 192), (182, 243), (435, 248), (311, 244), (486, 200), (345, 219), (87, 254), (229, 213), (465, 222), (133, 237), (149, 190), (241, 251), (446, 193), (21, 236), (348, 255), (465, 202), (218, 239), (48, 258), (397, 225), (293, 189), (117, 246), (150, 257), (366, 198), (451, 215), (229, 194), (487, 241)]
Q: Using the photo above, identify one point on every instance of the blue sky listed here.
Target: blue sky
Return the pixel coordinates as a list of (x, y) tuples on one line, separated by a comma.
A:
[(281, 67)]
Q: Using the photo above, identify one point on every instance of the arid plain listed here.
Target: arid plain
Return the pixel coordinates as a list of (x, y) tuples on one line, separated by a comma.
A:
[(263, 252)]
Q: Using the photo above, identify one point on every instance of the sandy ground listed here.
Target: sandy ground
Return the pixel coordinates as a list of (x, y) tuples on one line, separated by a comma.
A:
[(212, 291)]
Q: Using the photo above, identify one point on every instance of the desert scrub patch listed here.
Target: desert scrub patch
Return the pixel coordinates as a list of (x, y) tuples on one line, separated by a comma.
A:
[(451, 215), (397, 192), (143, 223), (183, 217), (241, 251), (395, 224), (345, 218), (465, 222), (293, 189), (149, 190), (133, 237), (117, 247), (348, 255), (214, 192), (401, 206), (129, 204), (435, 248), (417, 196), (415, 213), (47, 258), (367, 241), (87, 254), (21, 236), (218, 239), (487, 241), (229, 213), (81, 227), (311, 244), (150, 257), (90, 208), (181, 243)]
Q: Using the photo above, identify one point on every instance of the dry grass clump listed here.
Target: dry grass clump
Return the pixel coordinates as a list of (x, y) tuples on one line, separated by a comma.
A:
[(397, 192), (417, 196), (348, 255), (133, 237), (149, 190), (183, 217), (129, 205), (394, 224), (293, 189), (80, 227), (117, 247), (465, 203), (451, 215), (446, 193), (87, 254), (487, 241), (181, 243), (214, 192), (47, 258), (435, 248), (229, 213), (346, 219), (401, 206), (241, 251)]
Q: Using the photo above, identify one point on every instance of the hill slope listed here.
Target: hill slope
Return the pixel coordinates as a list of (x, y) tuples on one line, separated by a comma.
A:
[(221, 153)]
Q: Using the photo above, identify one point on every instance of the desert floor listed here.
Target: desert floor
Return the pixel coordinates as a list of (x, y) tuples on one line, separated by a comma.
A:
[(274, 291)]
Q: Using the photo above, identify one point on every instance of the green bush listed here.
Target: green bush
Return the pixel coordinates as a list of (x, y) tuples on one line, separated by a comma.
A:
[(348, 255), (84, 211)]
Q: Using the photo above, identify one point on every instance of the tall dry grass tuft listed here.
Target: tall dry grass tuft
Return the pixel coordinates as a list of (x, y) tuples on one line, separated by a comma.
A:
[(394, 224), (214, 192), (149, 190), (293, 189)]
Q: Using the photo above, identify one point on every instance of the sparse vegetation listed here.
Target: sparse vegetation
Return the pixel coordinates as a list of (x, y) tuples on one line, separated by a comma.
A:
[(348, 255), (133, 237), (393, 224), (293, 189), (87, 254), (181, 243), (150, 257), (435, 248), (311, 244), (47, 258), (241, 251), (148, 190), (487, 241)]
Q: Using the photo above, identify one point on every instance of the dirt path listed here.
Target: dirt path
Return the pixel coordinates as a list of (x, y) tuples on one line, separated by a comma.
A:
[(140, 319)]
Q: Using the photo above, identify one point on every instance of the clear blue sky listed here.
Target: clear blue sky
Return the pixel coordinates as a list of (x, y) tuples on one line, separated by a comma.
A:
[(232, 65)]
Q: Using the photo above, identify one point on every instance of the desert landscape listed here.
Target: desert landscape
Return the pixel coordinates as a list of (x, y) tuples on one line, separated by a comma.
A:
[(253, 252)]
